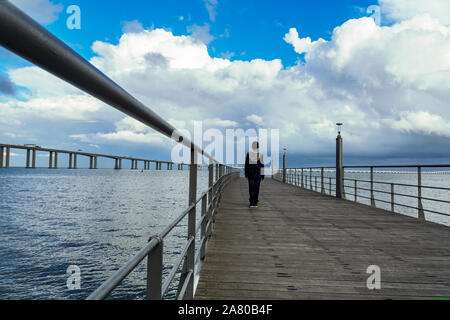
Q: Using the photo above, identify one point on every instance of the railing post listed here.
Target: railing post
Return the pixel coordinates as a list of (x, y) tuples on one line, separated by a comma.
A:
[(315, 183), (189, 262), (392, 198), (310, 179), (284, 166), (339, 168), (203, 228), (210, 182), (421, 213), (322, 183), (303, 182), (330, 186), (155, 271), (356, 190), (372, 195)]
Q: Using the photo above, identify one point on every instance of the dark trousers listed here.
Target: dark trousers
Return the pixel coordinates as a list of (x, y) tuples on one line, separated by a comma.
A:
[(253, 186)]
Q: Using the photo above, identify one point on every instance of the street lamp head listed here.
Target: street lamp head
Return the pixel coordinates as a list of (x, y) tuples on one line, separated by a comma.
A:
[(339, 125)]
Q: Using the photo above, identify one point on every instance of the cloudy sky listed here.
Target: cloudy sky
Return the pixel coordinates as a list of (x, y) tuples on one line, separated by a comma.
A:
[(382, 68)]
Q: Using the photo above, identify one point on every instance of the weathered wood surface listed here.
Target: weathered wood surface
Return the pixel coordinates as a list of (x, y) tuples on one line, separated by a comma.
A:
[(301, 245)]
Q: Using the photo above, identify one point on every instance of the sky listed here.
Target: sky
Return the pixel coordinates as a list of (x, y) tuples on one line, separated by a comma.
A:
[(380, 67)]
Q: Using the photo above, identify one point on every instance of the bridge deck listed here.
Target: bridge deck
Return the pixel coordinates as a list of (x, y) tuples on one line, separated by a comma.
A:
[(301, 245)]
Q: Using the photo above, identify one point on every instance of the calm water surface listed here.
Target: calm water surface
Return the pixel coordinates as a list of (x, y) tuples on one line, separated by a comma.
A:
[(95, 219)]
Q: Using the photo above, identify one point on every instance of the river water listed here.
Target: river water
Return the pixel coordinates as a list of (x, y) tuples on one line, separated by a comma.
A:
[(94, 219)]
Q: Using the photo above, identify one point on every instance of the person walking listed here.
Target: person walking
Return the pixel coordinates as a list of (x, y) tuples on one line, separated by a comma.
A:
[(254, 172)]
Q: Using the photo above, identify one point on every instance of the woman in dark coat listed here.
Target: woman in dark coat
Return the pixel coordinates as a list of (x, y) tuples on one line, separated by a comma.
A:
[(254, 172)]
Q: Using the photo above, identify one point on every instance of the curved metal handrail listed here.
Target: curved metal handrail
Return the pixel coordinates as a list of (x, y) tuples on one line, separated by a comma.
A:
[(110, 284)]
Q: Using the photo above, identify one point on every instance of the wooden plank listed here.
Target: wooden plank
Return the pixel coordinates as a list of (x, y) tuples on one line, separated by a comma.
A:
[(301, 245)]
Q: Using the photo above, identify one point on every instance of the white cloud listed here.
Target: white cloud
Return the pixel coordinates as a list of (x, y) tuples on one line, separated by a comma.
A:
[(421, 122), (64, 107), (399, 10), (255, 119), (44, 11), (201, 33), (127, 131), (130, 124), (216, 122), (132, 26), (301, 45), (228, 55), (122, 137), (211, 6)]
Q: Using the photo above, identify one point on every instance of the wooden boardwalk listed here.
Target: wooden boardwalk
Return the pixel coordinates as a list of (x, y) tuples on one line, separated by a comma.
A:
[(301, 245)]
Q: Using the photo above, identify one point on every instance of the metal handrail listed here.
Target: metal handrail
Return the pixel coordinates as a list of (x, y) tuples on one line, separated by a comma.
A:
[(123, 272), (110, 284), (176, 267), (399, 184), (185, 285), (306, 174), (398, 194), (51, 54)]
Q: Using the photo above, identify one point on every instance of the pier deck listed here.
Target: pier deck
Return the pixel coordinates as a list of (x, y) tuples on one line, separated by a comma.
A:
[(302, 245)]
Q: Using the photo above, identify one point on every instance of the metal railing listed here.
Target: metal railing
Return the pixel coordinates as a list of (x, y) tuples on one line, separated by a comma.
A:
[(27, 38), (153, 251), (323, 180)]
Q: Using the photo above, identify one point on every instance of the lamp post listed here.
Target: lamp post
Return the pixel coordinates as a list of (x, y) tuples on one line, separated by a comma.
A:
[(339, 164)]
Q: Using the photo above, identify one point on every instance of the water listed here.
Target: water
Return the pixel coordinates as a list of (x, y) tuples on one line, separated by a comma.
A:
[(95, 219), (430, 177)]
